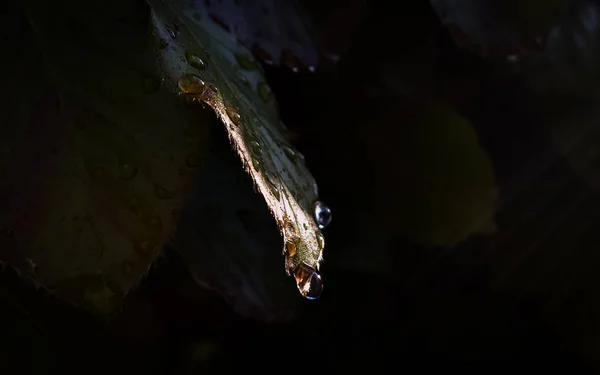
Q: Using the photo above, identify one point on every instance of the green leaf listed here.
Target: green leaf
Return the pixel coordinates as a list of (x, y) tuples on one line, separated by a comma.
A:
[(441, 188), (207, 66), (94, 155)]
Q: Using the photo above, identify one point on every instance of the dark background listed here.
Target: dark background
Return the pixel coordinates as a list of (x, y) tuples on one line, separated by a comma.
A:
[(522, 299)]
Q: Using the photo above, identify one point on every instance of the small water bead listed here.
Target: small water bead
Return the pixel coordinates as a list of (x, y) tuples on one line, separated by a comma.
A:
[(162, 192), (256, 148), (163, 43), (191, 84), (322, 214), (245, 62), (274, 190), (233, 115), (128, 171), (195, 61), (256, 164), (290, 248), (290, 153), (192, 161), (264, 91)]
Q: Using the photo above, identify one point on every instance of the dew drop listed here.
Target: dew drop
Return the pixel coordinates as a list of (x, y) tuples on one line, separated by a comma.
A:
[(191, 84), (155, 222), (128, 171), (151, 84), (162, 192), (291, 61), (320, 240), (290, 248), (245, 62), (256, 147), (256, 164), (322, 214), (264, 91), (195, 61), (192, 161), (173, 32), (291, 154), (233, 115)]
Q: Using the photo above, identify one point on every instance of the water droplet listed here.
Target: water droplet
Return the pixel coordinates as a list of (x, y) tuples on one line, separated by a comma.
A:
[(256, 164), (290, 153), (264, 91), (261, 54), (256, 147), (233, 115), (274, 190), (291, 61), (173, 32), (322, 214), (145, 247), (243, 80), (155, 222), (245, 62), (191, 84), (128, 171), (162, 192), (320, 240), (163, 43), (195, 61), (290, 248), (192, 161)]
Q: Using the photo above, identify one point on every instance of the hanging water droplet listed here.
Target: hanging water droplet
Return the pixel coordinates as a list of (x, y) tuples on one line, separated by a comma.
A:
[(322, 214), (256, 147), (163, 43), (195, 61), (264, 91), (128, 171), (320, 240), (291, 154), (290, 248), (233, 115), (256, 164), (162, 192), (245, 62), (191, 84)]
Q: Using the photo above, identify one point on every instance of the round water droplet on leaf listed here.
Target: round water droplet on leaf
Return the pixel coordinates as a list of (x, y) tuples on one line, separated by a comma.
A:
[(264, 91), (256, 164), (290, 248), (191, 84), (322, 214), (195, 61), (309, 282), (245, 62), (290, 153), (233, 114), (256, 148)]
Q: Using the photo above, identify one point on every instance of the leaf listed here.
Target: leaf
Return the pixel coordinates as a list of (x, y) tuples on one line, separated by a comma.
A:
[(94, 153), (441, 188), (274, 30), (499, 27), (222, 74), (568, 64)]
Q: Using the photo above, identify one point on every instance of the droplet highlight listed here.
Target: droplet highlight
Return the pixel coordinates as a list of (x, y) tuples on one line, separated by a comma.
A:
[(256, 148), (191, 84), (264, 91), (245, 62)]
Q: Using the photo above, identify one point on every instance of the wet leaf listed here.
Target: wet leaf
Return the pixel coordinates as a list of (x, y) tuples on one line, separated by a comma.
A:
[(251, 121), (275, 31), (499, 28), (441, 187), (568, 65), (90, 151)]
